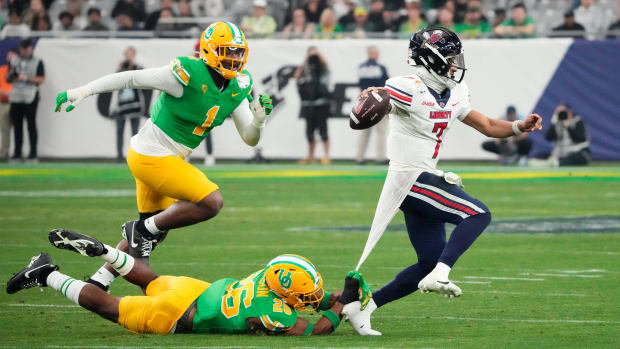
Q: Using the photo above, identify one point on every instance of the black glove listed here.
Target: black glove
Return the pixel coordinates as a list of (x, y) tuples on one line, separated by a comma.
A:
[(350, 293)]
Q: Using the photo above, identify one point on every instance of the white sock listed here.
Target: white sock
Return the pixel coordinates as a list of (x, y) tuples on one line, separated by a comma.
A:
[(149, 223), (66, 285), (442, 271), (120, 261), (103, 276)]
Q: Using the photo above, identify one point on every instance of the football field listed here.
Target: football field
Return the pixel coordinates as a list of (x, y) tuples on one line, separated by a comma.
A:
[(545, 274)]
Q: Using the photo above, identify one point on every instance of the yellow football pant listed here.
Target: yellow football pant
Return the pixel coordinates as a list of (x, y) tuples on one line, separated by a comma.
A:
[(167, 298), (161, 181)]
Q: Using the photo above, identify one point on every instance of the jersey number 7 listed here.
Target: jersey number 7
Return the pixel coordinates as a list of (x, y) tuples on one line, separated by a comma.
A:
[(200, 130), (438, 128)]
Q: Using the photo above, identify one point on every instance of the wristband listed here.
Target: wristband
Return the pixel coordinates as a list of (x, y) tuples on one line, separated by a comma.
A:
[(325, 302), (333, 318), (515, 128), (309, 329)]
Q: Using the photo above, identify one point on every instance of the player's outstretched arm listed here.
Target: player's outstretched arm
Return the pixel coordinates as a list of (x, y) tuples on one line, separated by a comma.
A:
[(160, 78), (250, 116), (502, 128), (325, 325)]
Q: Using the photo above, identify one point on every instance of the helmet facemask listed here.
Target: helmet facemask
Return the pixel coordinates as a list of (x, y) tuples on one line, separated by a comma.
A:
[(232, 58)]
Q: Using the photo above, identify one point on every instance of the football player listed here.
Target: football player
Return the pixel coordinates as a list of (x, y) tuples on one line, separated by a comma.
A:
[(198, 94), (268, 300), (424, 105)]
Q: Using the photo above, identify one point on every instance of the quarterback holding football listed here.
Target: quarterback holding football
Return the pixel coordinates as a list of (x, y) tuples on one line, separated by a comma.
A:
[(422, 107)]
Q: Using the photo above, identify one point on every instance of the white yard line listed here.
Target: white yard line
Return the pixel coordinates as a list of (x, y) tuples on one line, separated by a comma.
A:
[(564, 275), (577, 271), (530, 294), (76, 193), (503, 278), (42, 305), (567, 321)]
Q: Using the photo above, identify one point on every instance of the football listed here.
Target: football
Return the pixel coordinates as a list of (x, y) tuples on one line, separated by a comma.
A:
[(368, 110)]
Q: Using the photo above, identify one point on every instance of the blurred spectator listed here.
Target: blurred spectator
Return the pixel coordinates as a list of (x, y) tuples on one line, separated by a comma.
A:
[(15, 28), (377, 16), (574, 29), (74, 7), (519, 25), (312, 83), (94, 20), (499, 16), (571, 146), (414, 20), (260, 23), (513, 149), (299, 27), (36, 9), (132, 8), (460, 9), (591, 17), (371, 73), (124, 22), (348, 18), (41, 23), (204, 8), (328, 25), (446, 18), (65, 22), (314, 10), (474, 26), (165, 12), (26, 73), (130, 105), (361, 25), (5, 119), (153, 18)]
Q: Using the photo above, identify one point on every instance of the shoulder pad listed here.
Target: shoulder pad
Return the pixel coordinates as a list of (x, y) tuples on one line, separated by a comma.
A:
[(179, 72), (402, 89), (244, 80)]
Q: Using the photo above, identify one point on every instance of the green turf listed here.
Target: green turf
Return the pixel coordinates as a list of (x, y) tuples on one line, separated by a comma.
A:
[(573, 302)]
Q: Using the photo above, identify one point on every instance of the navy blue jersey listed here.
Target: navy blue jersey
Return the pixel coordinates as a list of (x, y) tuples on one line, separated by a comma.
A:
[(371, 73)]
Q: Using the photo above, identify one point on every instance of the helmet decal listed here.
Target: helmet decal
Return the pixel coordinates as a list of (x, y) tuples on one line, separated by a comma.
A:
[(285, 279)]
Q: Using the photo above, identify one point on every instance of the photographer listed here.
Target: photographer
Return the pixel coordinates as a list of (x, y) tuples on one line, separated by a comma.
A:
[(130, 104), (26, 73), (312, 83), (569, 137)]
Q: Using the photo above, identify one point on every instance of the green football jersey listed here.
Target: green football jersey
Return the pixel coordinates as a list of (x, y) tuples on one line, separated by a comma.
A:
[(188, 119), (227, 303)]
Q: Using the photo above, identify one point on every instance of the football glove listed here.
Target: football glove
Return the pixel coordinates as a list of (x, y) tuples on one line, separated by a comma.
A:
[(266, 103), (72, 96), (356, 288)]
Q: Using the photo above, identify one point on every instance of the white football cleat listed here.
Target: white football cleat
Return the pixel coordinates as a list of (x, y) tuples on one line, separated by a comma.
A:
[(360, 319), (430, 283)]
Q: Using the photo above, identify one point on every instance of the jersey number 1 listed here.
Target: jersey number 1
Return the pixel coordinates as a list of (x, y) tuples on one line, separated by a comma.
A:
[(200, 130), (439, 128)]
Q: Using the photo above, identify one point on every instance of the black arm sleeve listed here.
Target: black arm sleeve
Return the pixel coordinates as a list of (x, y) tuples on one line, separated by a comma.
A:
[(551, 135), (578, 133), (40, 69)]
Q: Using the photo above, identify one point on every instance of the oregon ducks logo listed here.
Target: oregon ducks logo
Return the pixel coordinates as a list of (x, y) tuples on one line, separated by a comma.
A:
[(285, 279), (209, 31)]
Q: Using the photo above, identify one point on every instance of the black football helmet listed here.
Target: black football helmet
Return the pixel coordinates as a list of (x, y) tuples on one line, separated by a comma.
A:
[(437, 49)]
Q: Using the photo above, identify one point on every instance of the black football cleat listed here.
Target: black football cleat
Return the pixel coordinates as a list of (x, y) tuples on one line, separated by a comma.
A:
[(33, 275), (139, 245), (69, 240)]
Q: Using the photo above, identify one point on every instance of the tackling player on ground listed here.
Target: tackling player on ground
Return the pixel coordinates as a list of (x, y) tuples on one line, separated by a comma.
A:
[(198, 94), (423, 107), (266, 301)]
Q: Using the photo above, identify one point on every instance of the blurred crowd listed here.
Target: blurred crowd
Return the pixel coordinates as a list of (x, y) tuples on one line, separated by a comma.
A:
[(316, 18)]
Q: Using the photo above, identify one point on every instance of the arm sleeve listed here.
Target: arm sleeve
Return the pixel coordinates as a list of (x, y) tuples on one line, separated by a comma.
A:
[(244, 121), (466, 100), (578, 132), (40, 69), (155, 78)]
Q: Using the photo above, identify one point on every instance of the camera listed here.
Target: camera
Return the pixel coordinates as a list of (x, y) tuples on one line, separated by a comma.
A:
[(563, 115)]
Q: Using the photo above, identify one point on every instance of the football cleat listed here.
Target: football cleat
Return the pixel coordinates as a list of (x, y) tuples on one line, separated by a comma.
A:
[(34, 274), (139, 246), (69, 240), (430, 283), (360, 319)]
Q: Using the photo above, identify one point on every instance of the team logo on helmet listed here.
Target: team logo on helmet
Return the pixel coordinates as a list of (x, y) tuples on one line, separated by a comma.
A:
[(435, 37)]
